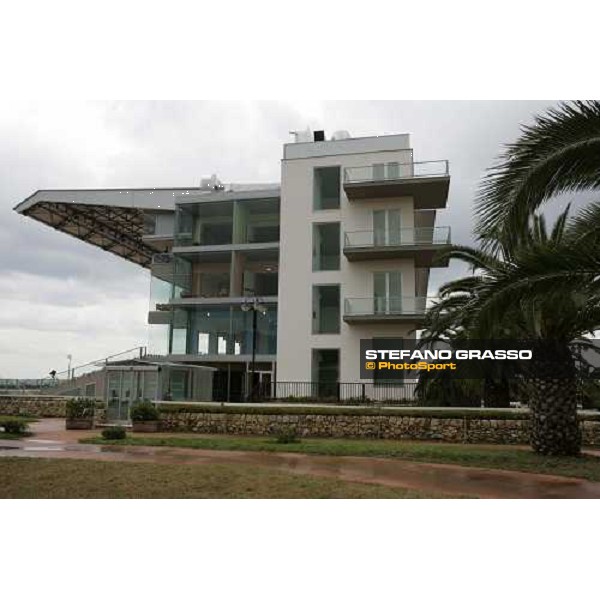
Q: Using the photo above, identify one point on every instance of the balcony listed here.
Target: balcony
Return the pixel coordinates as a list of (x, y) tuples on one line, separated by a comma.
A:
[(427, 182), (392, 309), (423, 244)]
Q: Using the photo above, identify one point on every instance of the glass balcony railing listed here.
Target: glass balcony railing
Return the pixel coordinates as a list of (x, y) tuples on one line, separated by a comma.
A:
[(405, 236), (393, 171), (385, 306)]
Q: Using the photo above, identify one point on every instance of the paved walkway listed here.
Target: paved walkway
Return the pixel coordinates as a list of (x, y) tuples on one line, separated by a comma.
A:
[(52, 441)]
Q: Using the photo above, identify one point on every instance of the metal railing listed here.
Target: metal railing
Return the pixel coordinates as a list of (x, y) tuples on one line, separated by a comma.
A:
[(25, 386), (69, 375), (312, 392), (405, 236), (385, 305), (393, 171)]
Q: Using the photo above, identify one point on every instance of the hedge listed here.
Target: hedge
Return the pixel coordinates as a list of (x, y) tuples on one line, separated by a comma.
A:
[(432, 413)]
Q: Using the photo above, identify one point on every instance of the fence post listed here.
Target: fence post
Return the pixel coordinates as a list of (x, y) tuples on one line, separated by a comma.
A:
[(363, 393)]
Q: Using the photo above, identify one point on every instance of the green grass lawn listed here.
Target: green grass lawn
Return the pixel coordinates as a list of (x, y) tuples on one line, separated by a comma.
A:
[(71, 478), (501, 457)]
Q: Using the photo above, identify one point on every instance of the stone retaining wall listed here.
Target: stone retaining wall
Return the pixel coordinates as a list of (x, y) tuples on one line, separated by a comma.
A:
[(42, 406), (468, 429)]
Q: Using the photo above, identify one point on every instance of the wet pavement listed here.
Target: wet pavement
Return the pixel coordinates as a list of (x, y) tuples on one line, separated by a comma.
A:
[(51, 440)]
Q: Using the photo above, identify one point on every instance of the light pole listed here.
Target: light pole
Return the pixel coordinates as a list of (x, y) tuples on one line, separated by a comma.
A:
[(256, 307)]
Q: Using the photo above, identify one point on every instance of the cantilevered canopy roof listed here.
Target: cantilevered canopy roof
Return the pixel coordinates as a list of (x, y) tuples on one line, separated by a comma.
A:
[(111, 219)]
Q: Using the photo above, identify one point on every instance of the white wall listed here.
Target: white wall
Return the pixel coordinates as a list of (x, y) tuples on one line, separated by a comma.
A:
[(295, 340)]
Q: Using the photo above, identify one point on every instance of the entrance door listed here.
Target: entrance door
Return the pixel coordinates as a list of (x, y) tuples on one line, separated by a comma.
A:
[(124, 388), (326, 372), (262, 384), (120, 393), (387, 227), (387, 292), (113, 398)]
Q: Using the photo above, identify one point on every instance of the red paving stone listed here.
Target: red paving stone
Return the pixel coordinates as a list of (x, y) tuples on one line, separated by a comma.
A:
[(50, 440)]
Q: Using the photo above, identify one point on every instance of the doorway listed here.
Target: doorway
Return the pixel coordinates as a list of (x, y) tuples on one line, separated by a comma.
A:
[(326, 371), (126, 387), (387, 292), (387, 227)]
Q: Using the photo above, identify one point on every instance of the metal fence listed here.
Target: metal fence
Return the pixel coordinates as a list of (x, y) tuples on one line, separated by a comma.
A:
[(312, 392), (25, 386)]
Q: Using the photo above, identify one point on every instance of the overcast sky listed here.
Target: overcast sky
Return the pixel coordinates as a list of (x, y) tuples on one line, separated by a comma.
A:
[(60, 296)]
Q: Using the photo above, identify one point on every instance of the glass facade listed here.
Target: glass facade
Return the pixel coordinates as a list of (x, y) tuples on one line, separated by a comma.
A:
[(223, 330), (160, 291), (256, 221), (223, 223), (204, 224)]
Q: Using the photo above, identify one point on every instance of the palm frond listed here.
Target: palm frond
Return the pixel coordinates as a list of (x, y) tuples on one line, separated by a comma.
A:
[(559, 153)]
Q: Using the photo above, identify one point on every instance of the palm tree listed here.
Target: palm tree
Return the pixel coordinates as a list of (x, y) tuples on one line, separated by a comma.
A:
[(543, 289), (553, 285), (450, 320)]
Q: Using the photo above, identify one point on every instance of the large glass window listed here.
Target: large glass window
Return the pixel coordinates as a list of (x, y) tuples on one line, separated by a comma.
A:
[(204, 224), (326, 246), (387, 291), (213, 285), (160, 291), (182, 278), (256, 221), (219, 330), (387, 229), (326, 309), (261, 281), (179, 332), (326, 188)]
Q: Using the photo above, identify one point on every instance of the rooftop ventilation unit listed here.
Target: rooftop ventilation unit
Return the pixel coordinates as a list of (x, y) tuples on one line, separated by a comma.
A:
[(302, 136), (211, 183), (341, 134)]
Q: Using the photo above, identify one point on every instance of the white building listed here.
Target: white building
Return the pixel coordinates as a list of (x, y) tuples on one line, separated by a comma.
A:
[(357, 243), (339, 252)]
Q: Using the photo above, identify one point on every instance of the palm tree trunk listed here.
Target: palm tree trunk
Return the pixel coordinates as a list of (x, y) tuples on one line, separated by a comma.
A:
[(553, 403), (496, 393)]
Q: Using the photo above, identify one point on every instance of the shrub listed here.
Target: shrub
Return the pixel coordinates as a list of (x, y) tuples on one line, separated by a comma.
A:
[(80, 408), (144, 411), (114, 433), (14, 425), (287, 435)]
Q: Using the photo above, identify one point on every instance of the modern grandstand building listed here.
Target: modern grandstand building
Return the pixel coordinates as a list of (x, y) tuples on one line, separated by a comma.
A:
[(273, 285)]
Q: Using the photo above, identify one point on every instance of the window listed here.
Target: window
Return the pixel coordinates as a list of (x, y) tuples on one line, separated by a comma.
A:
[(203, 340), (326, 188), (179, 341), (326, 247), (326, 309), (387, 292), (214, 285), (387, 227)]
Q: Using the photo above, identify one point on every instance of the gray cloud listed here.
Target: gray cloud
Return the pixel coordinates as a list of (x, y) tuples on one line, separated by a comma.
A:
[(60, 296)]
